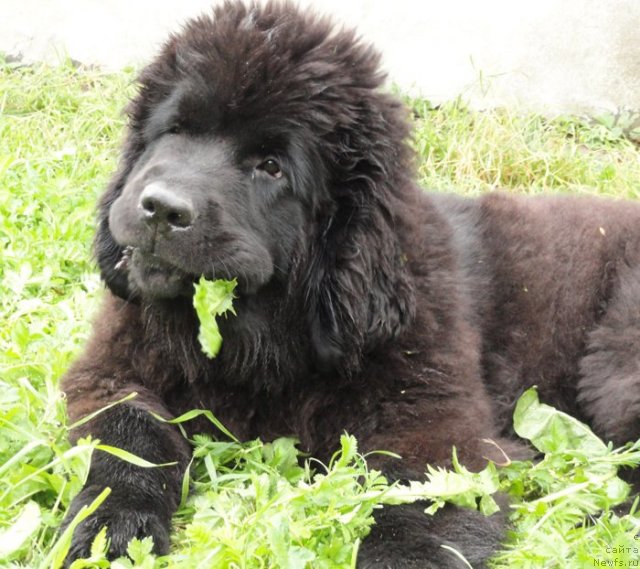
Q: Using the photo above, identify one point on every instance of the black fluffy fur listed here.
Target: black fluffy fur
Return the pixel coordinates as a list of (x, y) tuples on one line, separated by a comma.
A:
[(261, 146)]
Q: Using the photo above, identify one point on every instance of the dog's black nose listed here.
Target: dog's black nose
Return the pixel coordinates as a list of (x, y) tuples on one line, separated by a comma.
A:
[(164, 208)]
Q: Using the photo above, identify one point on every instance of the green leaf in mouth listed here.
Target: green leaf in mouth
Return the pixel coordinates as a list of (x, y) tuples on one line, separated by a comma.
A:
[(211, 299)]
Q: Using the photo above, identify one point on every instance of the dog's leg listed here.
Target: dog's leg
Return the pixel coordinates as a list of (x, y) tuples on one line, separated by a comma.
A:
[(404, 537), (609, 385), (142, 500)]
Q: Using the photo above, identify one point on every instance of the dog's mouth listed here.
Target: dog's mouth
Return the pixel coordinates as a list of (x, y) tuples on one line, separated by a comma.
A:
[(153, 277)]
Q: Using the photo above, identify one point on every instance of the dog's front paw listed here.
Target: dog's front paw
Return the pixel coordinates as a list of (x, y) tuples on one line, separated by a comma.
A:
[(125, 516)]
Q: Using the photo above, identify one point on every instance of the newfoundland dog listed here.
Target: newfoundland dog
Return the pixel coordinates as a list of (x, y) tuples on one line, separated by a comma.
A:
[(261, 147)]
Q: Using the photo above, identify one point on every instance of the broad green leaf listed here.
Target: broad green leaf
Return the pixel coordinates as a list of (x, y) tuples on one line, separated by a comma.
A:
[(550, 430), (211, 299)]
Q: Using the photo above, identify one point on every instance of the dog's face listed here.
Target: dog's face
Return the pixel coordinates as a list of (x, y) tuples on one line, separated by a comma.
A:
[(260, 147), (209, 204), (231, 152)]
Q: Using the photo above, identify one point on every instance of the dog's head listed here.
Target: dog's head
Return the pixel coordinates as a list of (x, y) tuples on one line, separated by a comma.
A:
[(261, 148)]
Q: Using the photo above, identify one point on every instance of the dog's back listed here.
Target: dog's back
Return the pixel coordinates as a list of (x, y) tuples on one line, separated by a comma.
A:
[(555, 286)]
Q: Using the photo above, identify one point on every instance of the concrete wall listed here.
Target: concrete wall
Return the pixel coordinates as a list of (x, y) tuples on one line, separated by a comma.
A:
[(549, 55)]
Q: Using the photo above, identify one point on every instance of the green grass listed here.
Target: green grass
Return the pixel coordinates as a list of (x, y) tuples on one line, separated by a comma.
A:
[(473, 152), (253, 505)]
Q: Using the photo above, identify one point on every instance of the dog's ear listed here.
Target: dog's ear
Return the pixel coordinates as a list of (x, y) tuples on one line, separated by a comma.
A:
[(107, 252), (359, 292)]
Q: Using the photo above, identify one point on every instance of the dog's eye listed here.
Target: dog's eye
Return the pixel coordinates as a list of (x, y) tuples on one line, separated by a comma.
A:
[(271, 167)]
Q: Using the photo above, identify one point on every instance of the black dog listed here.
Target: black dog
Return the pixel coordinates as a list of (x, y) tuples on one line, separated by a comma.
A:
[(260, 147)]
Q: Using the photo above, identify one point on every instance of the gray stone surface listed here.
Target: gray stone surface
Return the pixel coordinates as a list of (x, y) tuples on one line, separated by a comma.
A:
[(549, 55)]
